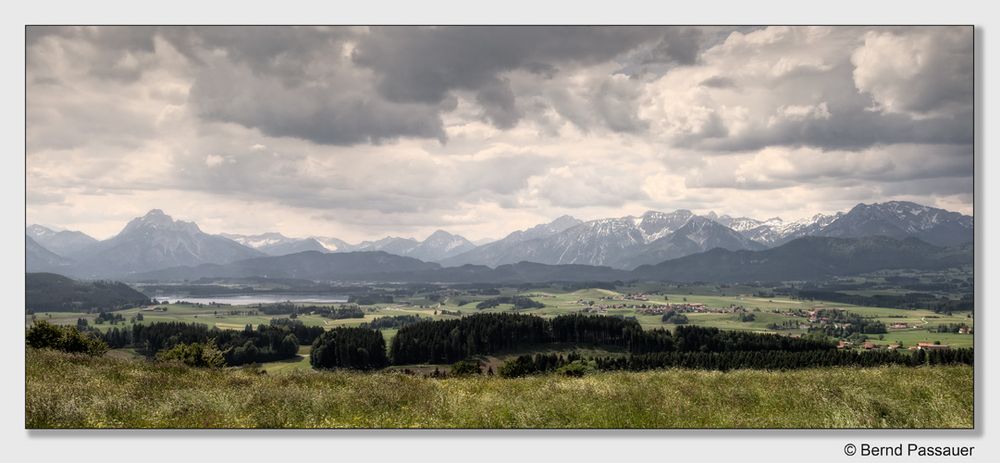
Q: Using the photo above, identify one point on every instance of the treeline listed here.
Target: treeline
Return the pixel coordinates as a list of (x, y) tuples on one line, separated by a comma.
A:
[(372, 299), (395, 321), (913, 300), (519, 302), (276, 341), (953, 328), (725, 361), (336, 313), (447, 341), (843, 324)]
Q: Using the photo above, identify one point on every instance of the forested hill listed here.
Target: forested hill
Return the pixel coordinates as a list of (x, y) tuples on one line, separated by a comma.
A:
[(309, 265), (809, 258), (48, 292)]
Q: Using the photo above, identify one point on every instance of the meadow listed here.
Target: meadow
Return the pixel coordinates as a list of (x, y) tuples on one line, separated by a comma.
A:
[(767, 311), (76, 391)]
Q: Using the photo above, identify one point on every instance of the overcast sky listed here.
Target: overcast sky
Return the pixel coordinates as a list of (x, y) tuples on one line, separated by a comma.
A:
[(359, 133)]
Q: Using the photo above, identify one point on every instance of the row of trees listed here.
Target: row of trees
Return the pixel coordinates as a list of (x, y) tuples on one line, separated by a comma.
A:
[(783, 360), (914, 300), (724, 361), (395, 321), (278, 340), (447, 341), (519, 302), (843, 324), (336, 313)]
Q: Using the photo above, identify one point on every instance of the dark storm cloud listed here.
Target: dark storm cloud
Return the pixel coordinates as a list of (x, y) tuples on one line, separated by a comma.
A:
[(425, 64), (299, 81), (679, 45), (334, 110), (117, 43), (348, 124), (718, 82)]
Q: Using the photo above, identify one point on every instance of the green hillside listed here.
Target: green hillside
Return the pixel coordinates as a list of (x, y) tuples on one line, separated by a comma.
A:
[(49, 292)]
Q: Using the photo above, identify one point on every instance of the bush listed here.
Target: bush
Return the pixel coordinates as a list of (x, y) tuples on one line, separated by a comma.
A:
[(466, 368), (577, 368), (44, 335), (203, 355)]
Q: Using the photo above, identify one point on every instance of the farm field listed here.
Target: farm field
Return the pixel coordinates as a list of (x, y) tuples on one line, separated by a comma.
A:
[(110, 392), (767, 312)]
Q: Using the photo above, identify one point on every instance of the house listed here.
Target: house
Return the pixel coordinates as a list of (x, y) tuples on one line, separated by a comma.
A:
[(899, 326), (964, 330), (932, 346), (844, 344)]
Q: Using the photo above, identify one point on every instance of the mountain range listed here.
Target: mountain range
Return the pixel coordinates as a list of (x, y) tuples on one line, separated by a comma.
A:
[(156, 241)]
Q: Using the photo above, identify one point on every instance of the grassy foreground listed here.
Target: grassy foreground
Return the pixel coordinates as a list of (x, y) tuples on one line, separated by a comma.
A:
[(73, 391)]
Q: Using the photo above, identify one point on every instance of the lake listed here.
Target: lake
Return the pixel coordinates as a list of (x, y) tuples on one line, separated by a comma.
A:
[(248, 299)]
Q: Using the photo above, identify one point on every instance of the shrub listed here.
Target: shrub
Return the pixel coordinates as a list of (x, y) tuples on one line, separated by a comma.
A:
[(44, 335), (466, 368), (203, 355), (576, 368)]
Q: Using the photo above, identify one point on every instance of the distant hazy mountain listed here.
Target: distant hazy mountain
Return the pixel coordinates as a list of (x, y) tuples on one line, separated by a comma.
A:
[(39, 259), (156, 241), (901, 219), (483, 241), (774, 231), (331, 244), (623, 242), (65, 242), (310, 265), (897, 219), (276, 244), (502, 251), (808, 258), (698, 234), (440, 245), (390, 244), (259, 241)]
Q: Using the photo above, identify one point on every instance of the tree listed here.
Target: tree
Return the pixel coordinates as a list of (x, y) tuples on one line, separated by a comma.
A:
[(289, 346)]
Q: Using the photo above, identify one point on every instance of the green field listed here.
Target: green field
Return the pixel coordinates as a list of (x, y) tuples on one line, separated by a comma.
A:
[(767, 311), (73, 391)]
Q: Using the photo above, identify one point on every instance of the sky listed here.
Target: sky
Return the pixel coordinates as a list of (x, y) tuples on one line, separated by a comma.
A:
[(363, 132)]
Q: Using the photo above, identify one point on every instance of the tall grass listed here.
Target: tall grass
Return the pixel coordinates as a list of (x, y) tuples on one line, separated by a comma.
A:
[(75, 391)]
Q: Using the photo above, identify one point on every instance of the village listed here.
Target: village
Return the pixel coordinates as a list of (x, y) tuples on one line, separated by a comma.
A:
[(851, 330)]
